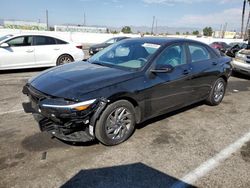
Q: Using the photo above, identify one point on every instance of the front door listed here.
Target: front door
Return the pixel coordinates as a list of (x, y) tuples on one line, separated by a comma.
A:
[(19, 54), (168, 91)]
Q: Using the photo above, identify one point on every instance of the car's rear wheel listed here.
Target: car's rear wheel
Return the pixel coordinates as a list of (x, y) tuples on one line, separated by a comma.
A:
[(63, 59), (116, 124), (217, 92)]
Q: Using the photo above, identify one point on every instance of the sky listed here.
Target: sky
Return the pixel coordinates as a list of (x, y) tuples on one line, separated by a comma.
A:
[(118, 13)]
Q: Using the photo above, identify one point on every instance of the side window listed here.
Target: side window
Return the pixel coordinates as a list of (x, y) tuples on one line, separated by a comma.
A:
[(41, 40), (173, 55), (58, 41), (198, 53), (111, 41), (20, 41)]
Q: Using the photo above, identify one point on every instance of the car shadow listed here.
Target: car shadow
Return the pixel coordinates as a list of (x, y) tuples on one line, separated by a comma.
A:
[(135, 175), (241, 76), (13, 71)]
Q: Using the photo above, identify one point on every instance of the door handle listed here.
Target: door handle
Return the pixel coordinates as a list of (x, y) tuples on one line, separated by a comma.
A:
[(185, 72), (214, 63), (29, 51)]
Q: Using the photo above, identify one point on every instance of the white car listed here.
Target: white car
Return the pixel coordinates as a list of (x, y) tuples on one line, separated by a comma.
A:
[(33, 50), (241, 63)]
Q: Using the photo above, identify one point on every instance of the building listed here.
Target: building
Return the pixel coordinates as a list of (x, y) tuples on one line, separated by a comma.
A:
[(224, 34), (82, 29), (26, 25)]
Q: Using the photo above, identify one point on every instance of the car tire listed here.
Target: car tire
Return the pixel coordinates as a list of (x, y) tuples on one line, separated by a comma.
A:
[(217, 92), (63, 59), (116, 124)]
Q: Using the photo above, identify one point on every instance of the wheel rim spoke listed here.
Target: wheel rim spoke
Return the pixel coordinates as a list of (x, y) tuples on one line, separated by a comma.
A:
[(219, 91), (118, 123)]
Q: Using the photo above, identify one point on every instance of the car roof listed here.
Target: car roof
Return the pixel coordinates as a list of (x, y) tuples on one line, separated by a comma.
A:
[(37, 34), (162, 40)]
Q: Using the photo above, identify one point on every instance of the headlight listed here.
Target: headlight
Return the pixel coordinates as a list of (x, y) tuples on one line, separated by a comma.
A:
[(99, 49), (75, 106)]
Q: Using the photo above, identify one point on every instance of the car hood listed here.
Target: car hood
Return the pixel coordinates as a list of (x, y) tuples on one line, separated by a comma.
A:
[(102, 45), (71, 81)]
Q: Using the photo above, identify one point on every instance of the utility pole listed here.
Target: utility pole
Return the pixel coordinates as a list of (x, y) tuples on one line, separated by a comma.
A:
[(242, 19), (247, 26), (47, 19), (84, 18), (224, 30), (156, 25), (220, 34), (152, 29)]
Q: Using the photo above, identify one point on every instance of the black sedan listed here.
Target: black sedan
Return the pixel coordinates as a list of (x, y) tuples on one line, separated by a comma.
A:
[(98, 47), (123, 85)]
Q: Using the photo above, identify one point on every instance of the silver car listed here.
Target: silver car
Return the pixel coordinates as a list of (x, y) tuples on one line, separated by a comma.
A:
[(241, 62)]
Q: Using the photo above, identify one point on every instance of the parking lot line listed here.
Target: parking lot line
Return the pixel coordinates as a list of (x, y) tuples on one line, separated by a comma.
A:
[(9, 112), (16, 78), (212, 163)]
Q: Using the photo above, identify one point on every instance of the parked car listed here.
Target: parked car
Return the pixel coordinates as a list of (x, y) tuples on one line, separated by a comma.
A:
[(30, 50), (98, 47), (235, 47), (241, 62), (221, 46), (123, 85)]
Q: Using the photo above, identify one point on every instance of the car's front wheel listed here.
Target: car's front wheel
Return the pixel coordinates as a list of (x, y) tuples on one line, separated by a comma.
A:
[(116, 124), (217, 92), (63, 59)]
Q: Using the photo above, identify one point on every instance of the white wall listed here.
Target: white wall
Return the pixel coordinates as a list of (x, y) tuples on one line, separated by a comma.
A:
[(93, 38), (84, 38)]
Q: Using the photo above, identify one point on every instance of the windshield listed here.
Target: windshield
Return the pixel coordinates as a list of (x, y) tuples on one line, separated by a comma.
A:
[(5, 37), (110, 41), (126, 54)]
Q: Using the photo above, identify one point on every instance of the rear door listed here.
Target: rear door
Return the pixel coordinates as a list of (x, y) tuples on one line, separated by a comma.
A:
[(19, 54), (46, 50), (204, 69)]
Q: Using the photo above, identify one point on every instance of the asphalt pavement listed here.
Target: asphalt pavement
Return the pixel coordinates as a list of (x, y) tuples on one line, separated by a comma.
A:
[(198, 146)]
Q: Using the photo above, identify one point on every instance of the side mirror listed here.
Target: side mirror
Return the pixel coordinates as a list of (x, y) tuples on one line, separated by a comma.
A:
[(163, 69), (4, 45)]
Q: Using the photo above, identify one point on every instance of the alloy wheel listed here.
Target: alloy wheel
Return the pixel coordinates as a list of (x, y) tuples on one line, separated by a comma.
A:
[(118, 123), (219, 91)]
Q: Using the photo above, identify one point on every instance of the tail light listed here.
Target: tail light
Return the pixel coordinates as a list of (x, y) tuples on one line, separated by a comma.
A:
[(79, 46)]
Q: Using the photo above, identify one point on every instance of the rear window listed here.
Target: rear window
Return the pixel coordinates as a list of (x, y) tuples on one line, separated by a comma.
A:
[(58, 41)]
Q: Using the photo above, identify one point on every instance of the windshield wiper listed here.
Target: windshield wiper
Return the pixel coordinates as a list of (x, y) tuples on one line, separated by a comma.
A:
[(98, 63)]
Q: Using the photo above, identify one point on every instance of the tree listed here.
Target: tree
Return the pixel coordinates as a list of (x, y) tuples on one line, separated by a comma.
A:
[(126, 29), (207, 31), (195, 32), (177, 33), (114, 32)]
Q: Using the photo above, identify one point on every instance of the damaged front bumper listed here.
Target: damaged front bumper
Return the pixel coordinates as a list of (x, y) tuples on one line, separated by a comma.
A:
[(65, 119)]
